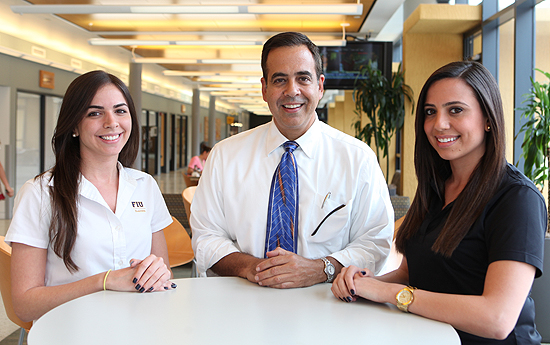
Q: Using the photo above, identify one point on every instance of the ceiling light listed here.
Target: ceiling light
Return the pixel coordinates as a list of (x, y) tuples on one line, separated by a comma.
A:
[(211, 73), (132, 42), (195, 61), (329, 9)]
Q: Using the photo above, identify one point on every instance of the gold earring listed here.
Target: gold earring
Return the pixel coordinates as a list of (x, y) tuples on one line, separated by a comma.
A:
[(488, 128)]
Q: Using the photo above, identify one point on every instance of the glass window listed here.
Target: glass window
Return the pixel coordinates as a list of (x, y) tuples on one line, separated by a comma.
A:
[(542, 50), (27, 159), (53, 104), (506, 82), (502, 4)]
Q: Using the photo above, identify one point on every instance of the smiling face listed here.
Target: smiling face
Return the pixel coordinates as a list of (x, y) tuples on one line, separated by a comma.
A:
[(292, 90), (106, 126), (454, 122)]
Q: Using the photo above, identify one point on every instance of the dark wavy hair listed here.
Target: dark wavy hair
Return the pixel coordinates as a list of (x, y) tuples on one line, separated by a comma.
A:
[(66, 171), (432, 170), (291, 39)]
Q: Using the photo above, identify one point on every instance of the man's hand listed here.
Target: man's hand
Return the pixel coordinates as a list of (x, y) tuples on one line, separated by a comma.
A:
[(283, 269)]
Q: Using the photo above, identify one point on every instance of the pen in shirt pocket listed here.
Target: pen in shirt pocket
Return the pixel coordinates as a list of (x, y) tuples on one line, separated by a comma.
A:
[(328, 215)]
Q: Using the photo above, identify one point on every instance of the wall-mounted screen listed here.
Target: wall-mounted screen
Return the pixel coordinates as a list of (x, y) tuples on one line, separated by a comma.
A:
[(341, 65)]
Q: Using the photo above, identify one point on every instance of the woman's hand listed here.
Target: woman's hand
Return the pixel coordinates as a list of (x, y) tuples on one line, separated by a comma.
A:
[(352, 282), (344, 287), (150, 274)]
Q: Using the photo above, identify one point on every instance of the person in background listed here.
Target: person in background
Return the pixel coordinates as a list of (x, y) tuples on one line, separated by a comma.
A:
[(472, 241), (90, 223), (245, 216), (4, 179), (197, 162)]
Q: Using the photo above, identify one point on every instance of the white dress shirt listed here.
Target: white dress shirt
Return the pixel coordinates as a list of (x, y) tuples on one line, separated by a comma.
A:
[(105, 240), (229, 209)]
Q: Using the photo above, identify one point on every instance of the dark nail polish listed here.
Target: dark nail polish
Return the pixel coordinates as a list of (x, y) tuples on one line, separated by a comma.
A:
[(174, 285), (138, 287), (142, 289), (352, 292), (150, 289), (166, 288), (134, 281), (348, 299), (363, 272)]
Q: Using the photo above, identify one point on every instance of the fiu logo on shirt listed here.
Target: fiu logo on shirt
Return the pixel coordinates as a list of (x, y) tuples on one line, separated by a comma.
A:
[(138, 206)]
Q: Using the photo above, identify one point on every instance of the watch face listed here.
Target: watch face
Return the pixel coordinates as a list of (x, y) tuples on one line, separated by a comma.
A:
[(404, 297), (330, 269)]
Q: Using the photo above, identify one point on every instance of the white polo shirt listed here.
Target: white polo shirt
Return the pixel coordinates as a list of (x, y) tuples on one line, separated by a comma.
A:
[(105, 240)]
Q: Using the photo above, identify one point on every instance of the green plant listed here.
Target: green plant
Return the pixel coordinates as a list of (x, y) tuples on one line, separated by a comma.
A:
[(383, 102), (536, 140)]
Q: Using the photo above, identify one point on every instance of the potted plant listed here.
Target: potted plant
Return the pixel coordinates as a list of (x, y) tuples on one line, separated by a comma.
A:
[(536, 152), (383, 102), (536, 129)]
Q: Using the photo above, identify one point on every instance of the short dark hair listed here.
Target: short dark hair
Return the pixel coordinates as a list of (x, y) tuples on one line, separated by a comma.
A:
[(205, 147), (291, 39)]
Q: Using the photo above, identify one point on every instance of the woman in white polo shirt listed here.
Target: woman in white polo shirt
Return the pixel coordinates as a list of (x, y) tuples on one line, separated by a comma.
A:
[(90, 223)]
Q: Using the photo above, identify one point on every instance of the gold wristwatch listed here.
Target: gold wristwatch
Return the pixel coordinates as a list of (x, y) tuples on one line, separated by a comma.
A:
[(404, 298)]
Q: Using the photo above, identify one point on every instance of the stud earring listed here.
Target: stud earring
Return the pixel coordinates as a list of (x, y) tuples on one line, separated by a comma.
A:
[(74, 135), (488, 128)]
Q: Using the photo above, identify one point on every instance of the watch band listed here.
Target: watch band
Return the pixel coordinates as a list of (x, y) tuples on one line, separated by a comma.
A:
[(329, 270)]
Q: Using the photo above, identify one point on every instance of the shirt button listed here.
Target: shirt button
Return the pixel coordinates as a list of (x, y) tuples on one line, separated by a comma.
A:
[(120, 262)]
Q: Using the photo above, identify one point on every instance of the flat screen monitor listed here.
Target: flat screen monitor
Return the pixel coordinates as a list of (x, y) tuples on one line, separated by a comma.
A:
[(342, 65)]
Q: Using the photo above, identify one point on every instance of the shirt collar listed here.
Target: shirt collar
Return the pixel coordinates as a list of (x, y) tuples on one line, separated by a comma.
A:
[(307, 141)]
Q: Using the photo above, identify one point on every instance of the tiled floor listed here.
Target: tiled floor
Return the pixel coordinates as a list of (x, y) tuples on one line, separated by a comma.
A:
[(171, 183)]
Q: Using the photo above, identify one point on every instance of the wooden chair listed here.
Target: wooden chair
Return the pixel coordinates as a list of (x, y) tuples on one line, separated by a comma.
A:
[(178, 243), (5, 289), (188, 181), (187, 196)]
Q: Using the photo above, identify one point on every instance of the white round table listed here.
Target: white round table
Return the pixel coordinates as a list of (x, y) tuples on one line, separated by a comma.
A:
[(225, 310)]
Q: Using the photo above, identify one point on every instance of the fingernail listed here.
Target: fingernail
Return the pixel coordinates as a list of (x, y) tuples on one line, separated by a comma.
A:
[(150, 289), (363, 272), (134, 281), (142, 289), (131, 262), (174, 285), (352, 292), (166, 288), (138, 287)]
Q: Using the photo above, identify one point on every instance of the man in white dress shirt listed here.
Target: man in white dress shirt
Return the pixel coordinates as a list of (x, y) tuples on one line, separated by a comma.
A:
[(345, 214)]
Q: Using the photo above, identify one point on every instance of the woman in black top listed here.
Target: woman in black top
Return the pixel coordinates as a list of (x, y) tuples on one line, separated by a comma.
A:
[(472, 241)]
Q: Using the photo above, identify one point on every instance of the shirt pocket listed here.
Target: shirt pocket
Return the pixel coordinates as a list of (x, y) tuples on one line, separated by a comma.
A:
[(330, 218)]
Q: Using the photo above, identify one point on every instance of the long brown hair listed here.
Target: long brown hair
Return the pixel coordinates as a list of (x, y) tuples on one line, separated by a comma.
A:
[(66, 171), (432, 170)]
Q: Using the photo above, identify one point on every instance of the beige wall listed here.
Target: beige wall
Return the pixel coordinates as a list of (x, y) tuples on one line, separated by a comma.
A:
[(432, 37)]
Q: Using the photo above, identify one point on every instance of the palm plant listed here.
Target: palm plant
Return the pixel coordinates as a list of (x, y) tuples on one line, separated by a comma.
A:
[(383, 102)]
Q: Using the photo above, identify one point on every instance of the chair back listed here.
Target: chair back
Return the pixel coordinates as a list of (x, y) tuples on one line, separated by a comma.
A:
[(187, 179), (187, 196), (178, 242), (5, 285)]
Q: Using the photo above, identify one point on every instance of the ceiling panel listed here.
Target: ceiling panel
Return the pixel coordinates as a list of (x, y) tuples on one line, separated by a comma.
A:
[(218, 27)]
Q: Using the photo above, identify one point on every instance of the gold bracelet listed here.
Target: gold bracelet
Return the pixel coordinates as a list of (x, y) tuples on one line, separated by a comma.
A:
[(105, 279)]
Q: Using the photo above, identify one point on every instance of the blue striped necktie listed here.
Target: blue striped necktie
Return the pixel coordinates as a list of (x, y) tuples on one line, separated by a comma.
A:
[(282, 215)]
